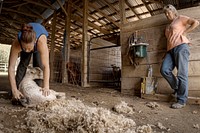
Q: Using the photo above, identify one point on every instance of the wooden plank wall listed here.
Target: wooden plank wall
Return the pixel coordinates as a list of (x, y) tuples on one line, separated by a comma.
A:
[(153, 31)]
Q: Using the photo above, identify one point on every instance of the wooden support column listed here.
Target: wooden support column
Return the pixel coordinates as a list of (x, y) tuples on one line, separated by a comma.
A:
[(122, 12), (122, 22), (67, 42), (52, 47), (84, 82)]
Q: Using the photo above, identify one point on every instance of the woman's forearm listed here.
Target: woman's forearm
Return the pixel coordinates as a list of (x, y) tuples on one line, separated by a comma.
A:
[(192, 26), (11, 76), (46, 75)]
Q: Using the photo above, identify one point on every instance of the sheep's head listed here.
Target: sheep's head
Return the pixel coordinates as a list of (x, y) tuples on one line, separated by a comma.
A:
[(34, 72)]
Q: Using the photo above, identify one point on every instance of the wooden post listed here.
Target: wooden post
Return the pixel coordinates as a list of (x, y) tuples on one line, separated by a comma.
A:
[(122, 22), (67, 43), (52, 47), (84, 82), (122, 12)]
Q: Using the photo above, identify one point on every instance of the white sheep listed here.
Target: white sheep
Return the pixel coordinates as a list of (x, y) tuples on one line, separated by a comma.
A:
[(32, 92)]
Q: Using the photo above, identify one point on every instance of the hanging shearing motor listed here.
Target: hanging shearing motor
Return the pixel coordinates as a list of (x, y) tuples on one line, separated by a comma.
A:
[(137, 47), (138, 44)]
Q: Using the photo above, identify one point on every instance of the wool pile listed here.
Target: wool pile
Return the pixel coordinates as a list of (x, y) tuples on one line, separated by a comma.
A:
[(73, 116)]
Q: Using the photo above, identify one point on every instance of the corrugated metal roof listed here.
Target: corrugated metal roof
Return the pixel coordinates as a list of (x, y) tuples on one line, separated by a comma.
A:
[(103, 15)]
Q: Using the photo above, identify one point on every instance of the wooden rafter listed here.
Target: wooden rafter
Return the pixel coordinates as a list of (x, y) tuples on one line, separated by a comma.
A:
[(63, 9), (103, 14), (147, 6), (39, 4), (132, 9), (35, 12), (51, 6), (111, 6), (77, 18), (19, 5), (21, 12), (2, 18), (96, 20), (102, 20)]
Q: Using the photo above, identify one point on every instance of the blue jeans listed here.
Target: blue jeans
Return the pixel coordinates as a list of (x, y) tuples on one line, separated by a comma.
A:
[(177, 57)]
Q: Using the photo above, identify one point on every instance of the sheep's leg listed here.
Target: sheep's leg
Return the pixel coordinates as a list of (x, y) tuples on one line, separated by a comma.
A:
[(25, 101), (60, 95)]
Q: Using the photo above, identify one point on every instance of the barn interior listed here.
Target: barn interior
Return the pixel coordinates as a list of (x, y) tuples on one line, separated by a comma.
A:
[(92, 57)]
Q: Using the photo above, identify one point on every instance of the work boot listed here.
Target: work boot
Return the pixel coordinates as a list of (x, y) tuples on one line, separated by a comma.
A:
[(178, 105)]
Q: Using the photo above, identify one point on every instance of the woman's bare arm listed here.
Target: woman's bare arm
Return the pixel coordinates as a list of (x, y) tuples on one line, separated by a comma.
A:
[(44, 55), (15, 49), (193, 23)]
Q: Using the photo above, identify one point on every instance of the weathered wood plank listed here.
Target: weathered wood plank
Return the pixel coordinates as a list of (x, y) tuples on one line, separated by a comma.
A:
[(169, 98), (141, 70)]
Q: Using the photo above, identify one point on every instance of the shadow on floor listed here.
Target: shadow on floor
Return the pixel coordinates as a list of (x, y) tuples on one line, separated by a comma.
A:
[(5, 91)]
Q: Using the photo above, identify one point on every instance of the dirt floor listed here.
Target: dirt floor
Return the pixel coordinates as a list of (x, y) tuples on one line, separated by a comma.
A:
[(157, 114)]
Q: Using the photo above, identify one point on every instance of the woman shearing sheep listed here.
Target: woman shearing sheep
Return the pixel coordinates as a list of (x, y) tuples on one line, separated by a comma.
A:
[(177, 53), (31, 40)]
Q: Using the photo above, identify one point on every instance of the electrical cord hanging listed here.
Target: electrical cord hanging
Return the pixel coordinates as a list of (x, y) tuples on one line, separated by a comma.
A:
[(131, 50)]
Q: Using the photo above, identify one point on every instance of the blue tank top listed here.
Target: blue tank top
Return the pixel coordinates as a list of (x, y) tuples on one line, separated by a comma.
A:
[(39, 30)]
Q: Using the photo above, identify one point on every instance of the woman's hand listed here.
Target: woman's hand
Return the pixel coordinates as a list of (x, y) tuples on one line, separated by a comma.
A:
[(17, 94), (45, 91)]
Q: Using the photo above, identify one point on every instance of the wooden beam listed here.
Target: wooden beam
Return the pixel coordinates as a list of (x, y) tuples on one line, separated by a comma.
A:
[(19, 5), (89, 15), (101, 42), (67, 44), (103, 14), (84, 64), (122, 12), (77, 18), (147, 6), (38, 4), (52, 47), (169, 98), (111, 6), (6, 40), (132, 9), (51, 6), (34, 11), (78, 30), (21, 12), (8, 31), (60, 4)]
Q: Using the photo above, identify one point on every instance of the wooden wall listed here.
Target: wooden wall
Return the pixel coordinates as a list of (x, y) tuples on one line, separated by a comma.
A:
[(153, 31)]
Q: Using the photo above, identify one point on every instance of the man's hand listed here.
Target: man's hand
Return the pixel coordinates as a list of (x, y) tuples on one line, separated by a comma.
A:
[(45, 91), (184, 34), (17, 94)]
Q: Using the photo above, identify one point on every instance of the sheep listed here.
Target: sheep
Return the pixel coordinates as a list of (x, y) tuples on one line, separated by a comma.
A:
[(32, 92)]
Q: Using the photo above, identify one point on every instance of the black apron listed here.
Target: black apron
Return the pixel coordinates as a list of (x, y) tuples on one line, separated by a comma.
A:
[(23, 64)]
